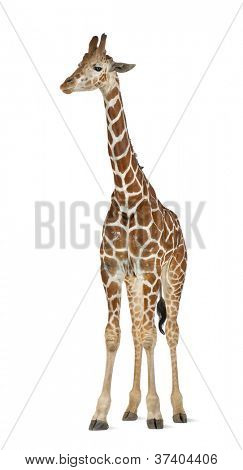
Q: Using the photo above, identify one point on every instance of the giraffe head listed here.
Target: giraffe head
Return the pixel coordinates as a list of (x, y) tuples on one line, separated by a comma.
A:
[(95, 70)]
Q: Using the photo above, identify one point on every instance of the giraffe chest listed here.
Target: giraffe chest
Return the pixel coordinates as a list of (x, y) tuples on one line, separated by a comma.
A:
[(131, 246)]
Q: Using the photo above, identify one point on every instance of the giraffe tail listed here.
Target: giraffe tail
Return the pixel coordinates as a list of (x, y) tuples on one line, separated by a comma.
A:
[(161, 311)]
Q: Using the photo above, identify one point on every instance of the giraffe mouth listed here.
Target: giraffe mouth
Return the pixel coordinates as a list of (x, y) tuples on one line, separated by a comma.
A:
[(66, 89)]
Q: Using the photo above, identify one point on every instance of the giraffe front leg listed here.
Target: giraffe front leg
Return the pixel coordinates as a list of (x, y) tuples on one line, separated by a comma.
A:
[(148, 338), (135, 298), (99, 420), (112, 339), (154, 417), (135, 394)]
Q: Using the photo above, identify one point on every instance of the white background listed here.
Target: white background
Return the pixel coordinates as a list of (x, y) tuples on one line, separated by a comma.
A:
[(172, 43)]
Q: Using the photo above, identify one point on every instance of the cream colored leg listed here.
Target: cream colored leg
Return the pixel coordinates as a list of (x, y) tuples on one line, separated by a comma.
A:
[(135, 394), (154, 417), (173, 279), (112, 338), (135, 298)]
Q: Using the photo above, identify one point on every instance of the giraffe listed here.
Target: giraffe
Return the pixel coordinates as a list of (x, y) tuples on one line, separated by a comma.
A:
[(142, 245)]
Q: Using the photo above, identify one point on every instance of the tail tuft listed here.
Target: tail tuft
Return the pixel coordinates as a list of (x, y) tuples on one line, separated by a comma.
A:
[(161, 311)]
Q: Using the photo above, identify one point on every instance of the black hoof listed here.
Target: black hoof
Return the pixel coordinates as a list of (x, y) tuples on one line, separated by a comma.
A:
[(180, 418), (129, 416), (97, 425), (155, 423)]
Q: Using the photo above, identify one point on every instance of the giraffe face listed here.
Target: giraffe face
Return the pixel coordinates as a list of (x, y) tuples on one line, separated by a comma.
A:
[(95, 70), (90, 75)]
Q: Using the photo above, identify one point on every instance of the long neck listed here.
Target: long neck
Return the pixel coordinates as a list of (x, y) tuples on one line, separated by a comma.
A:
[(128, 176)]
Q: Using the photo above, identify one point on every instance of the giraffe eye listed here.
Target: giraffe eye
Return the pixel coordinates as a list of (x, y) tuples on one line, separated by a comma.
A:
[(97, 68)]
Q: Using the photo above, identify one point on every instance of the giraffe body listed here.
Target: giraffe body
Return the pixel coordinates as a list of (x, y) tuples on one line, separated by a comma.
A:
[(142, 245)]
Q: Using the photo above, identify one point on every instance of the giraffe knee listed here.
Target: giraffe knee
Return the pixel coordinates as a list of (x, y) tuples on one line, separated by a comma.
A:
[(149, 338), (172, 332), (112, 338)]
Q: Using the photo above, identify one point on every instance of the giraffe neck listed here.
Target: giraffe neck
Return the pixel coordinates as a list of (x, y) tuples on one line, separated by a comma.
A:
[(128, 176)]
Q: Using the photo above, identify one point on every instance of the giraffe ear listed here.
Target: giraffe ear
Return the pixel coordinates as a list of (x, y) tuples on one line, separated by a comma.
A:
[(120, 67)]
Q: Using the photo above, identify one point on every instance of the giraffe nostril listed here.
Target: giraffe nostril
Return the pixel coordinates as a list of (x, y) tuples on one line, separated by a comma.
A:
[(69, 80)]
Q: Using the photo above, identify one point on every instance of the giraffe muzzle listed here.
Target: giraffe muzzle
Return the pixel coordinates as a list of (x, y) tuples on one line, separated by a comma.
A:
[(67, 86)]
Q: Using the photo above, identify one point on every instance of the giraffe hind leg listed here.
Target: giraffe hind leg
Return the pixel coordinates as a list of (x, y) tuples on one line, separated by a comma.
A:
[(173, 279)]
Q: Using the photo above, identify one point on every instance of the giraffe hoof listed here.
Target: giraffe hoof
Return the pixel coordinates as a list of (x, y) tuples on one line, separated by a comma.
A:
[(129, 416), (155, 423), (180, 418), (97, 425)]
